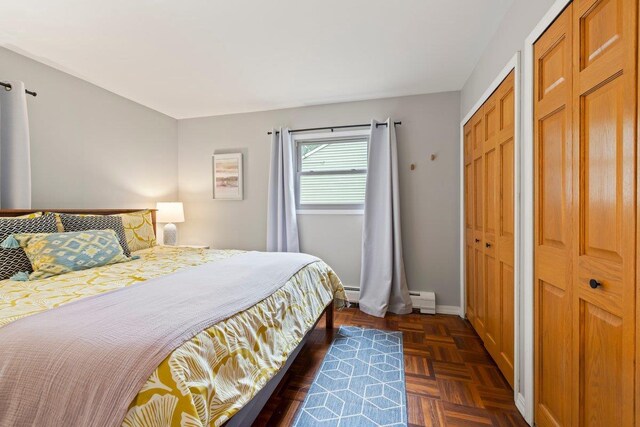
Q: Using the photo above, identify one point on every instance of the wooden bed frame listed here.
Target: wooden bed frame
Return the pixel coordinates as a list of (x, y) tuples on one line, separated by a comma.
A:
[(251, 410)]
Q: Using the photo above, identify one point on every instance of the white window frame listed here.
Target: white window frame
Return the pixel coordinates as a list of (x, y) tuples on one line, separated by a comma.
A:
[(328, 138)]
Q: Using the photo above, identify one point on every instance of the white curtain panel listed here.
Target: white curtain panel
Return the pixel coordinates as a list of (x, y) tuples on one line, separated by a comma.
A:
[(15, 162), (282, 223), (383, 284)]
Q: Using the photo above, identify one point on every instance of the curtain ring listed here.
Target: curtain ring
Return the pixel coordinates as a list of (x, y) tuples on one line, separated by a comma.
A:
[(8, 88)]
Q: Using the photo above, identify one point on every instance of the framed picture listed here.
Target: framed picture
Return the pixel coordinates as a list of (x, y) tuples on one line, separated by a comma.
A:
[(227, 176)]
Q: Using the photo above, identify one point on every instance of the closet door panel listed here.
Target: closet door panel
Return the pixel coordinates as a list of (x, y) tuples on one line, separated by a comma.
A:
[(605, 85), (470, 282), (493, 326), (479, 179), (478, 196), (490, 188), (552, 223), (489, 173), (507, 105), (506, 357), (507, 198), (602, 366), (553, 364), (477, 124), (478, 253), (469, 218), (505, 228), (554, 152), (602, 23), (492, 285), (478, 264), (602, 177)]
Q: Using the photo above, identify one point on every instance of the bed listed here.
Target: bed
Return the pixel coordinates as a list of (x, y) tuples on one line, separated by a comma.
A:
[(224, 374)]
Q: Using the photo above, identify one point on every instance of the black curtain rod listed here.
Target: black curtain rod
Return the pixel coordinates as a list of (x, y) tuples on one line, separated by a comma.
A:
[(336, 127), (7, 86)]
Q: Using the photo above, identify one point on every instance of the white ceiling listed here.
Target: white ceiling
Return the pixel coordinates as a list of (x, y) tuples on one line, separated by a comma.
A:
[(190, 58)]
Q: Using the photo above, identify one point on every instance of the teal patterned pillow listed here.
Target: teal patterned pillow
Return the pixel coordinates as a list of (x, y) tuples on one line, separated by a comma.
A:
[(96, 222), (58, 253)]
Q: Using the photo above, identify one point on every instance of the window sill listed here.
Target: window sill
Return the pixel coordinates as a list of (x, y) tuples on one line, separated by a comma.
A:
[(330, 212)]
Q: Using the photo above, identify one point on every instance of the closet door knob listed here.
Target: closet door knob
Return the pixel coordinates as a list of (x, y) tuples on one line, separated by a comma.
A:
[(477, 240), (594, 283), (487, 245)]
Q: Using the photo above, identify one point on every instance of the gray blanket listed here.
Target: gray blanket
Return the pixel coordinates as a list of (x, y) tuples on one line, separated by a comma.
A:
[(83, 363)]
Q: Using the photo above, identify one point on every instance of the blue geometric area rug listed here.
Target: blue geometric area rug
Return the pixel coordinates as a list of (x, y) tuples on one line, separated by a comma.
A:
[(360, 382)]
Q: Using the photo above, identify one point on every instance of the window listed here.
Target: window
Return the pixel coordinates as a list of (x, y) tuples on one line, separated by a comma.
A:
[(331, 172)]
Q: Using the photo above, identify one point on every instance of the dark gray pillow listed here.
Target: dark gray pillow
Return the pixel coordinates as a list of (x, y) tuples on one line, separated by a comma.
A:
[(96, 222), (13, 261)]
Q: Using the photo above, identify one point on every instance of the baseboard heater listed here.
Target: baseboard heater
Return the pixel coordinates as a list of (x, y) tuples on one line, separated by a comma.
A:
[(425, 301)]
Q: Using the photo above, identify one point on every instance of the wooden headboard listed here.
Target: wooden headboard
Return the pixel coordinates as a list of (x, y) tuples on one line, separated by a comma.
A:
[(18, 212)]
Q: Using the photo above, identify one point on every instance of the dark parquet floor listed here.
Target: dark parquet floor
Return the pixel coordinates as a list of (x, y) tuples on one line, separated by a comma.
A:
[(451, 379)]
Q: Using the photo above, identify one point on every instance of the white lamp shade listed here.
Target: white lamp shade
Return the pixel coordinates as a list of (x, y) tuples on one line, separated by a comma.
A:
[(170, 212)]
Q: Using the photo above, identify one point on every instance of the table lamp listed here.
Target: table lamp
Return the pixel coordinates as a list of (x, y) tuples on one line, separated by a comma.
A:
[(170, 213)]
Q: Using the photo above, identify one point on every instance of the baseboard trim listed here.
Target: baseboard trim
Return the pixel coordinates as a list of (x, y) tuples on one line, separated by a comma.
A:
[(353, 294), (521, 404), (448, 309)]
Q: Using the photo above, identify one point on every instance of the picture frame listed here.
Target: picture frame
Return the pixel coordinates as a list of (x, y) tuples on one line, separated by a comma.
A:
[(228, 177)]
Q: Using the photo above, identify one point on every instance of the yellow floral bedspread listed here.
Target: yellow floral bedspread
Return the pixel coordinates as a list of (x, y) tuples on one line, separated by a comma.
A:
[(209, 378)]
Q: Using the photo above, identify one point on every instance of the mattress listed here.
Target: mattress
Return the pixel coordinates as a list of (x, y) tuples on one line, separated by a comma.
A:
[(205, 381)]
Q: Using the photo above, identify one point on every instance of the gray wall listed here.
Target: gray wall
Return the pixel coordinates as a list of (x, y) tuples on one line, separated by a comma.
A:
[(430, 194), (510, 37), (518, 22), (91, 148)]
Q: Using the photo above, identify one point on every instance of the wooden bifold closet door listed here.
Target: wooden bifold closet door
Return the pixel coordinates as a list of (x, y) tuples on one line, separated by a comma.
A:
[(489, 224), (585, 118)]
